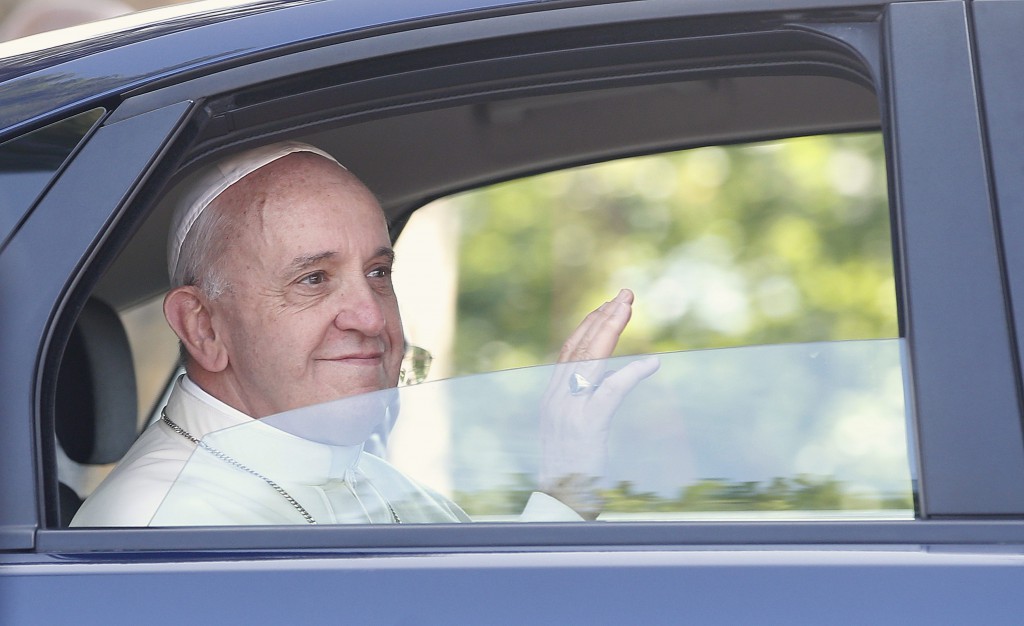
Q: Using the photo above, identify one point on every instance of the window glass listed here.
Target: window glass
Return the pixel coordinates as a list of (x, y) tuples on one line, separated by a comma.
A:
[(27, 164), (794, 431)]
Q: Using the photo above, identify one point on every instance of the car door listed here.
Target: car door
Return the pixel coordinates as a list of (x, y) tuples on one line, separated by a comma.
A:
[(960, 360), (999, 68)]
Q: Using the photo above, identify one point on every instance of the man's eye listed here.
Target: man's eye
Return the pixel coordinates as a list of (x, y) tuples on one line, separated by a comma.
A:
[(380, 272), (315, 278)]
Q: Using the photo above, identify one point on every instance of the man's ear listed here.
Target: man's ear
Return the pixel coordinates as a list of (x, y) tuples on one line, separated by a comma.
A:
[(188, 313)]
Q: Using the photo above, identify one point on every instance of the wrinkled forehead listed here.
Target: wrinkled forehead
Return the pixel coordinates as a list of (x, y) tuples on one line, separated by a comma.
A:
[(296, 212), (210, 183), (302, 195)]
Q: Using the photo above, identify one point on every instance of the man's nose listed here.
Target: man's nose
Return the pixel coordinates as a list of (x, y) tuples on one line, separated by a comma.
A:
[(360, 308)]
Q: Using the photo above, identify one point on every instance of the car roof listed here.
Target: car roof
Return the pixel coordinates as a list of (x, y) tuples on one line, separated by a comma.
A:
[(118, 30), (107, 58)]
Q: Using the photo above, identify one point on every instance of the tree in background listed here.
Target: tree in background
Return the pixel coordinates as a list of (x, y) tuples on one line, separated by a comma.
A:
[(785, 241)]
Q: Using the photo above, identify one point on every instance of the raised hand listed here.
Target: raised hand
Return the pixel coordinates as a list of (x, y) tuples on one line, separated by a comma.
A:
[(578, 405)]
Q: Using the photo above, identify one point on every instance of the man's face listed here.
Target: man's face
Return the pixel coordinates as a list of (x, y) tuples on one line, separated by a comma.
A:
[(310, 314)]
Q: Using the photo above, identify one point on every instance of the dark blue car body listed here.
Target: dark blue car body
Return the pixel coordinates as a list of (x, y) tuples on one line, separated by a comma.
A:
[(947, 76)]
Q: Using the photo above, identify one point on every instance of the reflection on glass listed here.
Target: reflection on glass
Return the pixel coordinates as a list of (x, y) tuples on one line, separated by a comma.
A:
[(807, 431), (792, 430)]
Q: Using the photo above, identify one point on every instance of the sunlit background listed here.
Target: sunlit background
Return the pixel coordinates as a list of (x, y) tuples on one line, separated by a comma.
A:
[(777, 242), (20, 18), (781, 242)]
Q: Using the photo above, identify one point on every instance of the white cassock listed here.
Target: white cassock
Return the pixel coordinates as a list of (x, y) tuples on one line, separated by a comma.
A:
[(246, 472)]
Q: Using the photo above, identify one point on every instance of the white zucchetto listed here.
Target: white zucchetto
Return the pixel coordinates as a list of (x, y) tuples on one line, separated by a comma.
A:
[(213, 180)]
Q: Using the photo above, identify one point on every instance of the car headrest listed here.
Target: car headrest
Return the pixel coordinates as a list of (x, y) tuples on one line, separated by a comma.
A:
[(96, 404)]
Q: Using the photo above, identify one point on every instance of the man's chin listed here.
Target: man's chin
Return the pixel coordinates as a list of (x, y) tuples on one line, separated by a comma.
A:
[(350, 389)]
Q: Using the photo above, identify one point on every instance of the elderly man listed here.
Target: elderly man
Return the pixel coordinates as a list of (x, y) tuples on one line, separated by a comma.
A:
[(280, 264)]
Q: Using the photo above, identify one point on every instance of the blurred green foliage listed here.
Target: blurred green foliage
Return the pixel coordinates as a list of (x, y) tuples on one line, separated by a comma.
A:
[(785, 241), (797, 494)]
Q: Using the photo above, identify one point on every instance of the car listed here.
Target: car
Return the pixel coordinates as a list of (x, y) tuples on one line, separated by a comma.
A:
[(817, 201)]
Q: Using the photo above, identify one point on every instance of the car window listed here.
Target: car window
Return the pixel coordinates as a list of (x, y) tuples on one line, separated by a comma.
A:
[(765, 296), (28, 163), (774, 256)]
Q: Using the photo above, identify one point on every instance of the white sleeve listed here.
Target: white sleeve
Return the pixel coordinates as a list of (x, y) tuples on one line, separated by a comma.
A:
[(543, 508)]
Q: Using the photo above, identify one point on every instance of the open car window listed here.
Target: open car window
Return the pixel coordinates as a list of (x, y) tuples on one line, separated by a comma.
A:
[(800, 431), (780, 252), (759, 243)]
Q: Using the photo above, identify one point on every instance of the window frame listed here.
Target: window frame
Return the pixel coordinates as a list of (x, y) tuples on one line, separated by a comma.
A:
[(72, 131), (964, 381), (53, 251)]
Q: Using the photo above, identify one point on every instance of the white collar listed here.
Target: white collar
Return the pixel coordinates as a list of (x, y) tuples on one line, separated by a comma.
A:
[(191, 387), (199, 413), (255, 444)]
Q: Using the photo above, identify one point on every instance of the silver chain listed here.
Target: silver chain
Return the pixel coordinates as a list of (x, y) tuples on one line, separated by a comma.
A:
[(223, 456), (231, 461)]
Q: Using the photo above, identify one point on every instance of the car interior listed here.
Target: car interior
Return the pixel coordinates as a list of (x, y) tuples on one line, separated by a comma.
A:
[(419, 127)]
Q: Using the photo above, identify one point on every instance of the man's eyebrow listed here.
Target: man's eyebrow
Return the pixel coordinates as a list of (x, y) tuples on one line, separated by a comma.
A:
[(301, 263)]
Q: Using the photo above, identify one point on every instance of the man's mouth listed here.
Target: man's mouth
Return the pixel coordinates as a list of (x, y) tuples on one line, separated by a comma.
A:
[(360, 358)]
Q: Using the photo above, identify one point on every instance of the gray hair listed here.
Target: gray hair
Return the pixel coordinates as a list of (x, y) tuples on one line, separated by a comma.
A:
[(199, 260), (201, 252)]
